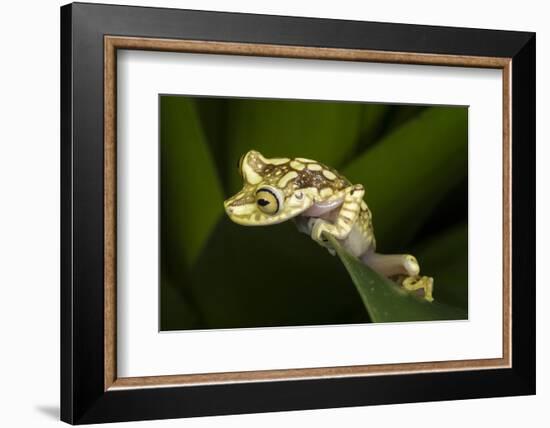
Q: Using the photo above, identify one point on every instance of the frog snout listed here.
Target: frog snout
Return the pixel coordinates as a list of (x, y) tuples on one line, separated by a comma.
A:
[(228, 208)]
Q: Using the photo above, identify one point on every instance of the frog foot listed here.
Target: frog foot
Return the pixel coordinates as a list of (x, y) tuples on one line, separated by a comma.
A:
[(319, 229), (416, 282)]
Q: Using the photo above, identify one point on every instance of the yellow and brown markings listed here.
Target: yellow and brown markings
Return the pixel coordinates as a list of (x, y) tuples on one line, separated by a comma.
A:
[(286, 179), (314, 167), (291, 174), (297, 165), (326, 192)]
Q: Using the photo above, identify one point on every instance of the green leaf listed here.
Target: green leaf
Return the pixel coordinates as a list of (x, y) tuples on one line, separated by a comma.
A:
[(385, 301), (188, 213), (408, 172), (324, 131)]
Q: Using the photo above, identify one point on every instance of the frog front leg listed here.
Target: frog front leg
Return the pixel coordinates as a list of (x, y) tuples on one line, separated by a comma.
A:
[(341, 227), (403, 265)]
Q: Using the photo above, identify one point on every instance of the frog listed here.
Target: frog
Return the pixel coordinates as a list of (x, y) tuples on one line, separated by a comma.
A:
[(321, 202)]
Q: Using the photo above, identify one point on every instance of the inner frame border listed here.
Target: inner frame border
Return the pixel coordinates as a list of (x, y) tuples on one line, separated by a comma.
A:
[(113, 43)]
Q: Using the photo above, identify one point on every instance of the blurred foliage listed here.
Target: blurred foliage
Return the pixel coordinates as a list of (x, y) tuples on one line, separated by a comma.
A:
[(410, 171), (447, 254), (185, 158), (290, 129), (271, 276), (217, 274)]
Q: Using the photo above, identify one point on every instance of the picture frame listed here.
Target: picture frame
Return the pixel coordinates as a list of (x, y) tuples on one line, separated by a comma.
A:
[(91, 390)]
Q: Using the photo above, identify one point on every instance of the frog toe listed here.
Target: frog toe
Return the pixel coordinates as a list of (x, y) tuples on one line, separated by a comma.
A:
[(425, 283)]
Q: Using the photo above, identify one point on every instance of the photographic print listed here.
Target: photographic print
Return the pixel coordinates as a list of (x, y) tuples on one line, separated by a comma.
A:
[(280, 212)]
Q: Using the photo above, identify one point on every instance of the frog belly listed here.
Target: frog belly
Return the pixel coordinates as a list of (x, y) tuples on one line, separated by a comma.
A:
[(356, 243)]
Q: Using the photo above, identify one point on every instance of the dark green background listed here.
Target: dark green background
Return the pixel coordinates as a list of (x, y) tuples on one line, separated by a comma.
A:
[(413, 161)]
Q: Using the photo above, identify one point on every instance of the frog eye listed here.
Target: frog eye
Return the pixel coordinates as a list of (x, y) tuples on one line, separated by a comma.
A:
[(269, 200)]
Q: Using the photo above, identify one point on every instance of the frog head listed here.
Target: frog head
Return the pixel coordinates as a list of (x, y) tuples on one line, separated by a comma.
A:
[(271, 192)]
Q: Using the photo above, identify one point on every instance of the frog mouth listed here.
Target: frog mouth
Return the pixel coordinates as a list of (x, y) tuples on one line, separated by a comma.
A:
[(251, 216), (239, 212)]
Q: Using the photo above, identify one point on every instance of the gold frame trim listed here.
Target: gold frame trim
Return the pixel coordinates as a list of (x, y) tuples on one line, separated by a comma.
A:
[(113, 43)]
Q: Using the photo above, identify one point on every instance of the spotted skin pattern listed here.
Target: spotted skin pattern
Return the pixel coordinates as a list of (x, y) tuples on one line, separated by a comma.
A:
[(321, 201)]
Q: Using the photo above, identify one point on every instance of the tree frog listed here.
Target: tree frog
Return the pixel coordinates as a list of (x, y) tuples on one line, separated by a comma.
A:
[(320, 201)]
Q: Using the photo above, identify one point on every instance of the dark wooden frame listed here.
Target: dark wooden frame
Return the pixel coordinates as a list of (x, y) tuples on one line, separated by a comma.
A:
[(90, 35)]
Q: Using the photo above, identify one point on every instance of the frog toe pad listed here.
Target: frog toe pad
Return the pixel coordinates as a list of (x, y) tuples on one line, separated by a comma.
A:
[(416, 282)]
